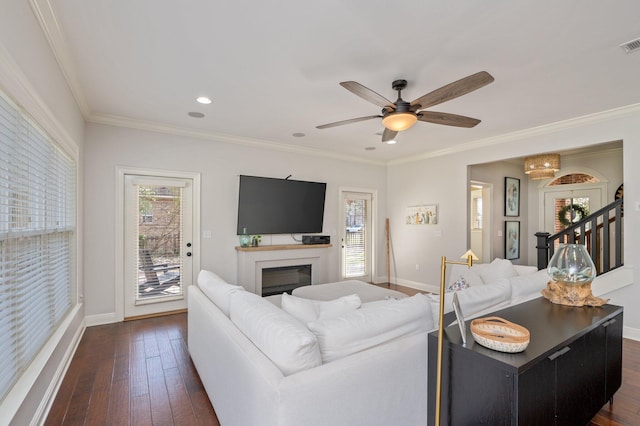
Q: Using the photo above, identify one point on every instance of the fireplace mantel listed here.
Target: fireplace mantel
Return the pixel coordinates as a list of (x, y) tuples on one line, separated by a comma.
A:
[(251, 261)]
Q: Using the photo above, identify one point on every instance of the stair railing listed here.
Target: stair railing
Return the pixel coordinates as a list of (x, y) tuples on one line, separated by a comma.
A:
[(601, 232)]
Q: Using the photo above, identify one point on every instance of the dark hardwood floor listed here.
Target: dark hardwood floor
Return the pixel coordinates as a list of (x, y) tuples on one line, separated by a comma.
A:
[(140, 373), (133, 373)]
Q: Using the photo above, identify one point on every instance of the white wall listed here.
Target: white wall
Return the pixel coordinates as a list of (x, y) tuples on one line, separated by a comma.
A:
[(442, 179), (30, 76), (220, 165)]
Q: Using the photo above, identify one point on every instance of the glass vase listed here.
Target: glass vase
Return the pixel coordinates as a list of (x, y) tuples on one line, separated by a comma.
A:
[(572, 264)]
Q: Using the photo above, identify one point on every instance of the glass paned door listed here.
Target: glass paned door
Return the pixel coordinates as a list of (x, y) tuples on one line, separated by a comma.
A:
[(158, 249), (356, 236)]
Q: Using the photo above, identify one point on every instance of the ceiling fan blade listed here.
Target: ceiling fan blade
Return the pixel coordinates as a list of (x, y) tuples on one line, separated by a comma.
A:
[(453, 90), (388, 135), (352, 120), (367, 94), (447, 119)]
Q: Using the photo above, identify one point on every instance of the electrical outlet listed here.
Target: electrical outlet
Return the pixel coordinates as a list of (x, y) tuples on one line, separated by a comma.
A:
[(417, 266), (499, 233), (206, 234)]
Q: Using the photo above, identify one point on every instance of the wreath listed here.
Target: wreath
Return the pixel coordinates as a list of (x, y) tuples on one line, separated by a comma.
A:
[(579, 211)]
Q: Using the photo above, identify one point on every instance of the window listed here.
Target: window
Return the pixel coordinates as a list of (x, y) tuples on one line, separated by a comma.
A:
[(37, 239)]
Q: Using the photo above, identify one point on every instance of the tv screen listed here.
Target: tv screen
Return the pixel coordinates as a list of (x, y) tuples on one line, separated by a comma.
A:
[(280, 206)]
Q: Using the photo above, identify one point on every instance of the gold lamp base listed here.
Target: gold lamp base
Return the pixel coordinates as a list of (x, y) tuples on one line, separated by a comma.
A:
[(562, 293)]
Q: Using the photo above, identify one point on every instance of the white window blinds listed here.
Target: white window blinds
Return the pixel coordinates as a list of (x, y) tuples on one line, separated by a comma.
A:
[(37, 234)]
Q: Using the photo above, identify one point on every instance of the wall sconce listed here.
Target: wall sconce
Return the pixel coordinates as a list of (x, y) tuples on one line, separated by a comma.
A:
[(542, 166)]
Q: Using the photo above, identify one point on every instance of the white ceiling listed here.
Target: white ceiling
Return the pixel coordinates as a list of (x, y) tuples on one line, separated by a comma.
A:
[(273, 68)]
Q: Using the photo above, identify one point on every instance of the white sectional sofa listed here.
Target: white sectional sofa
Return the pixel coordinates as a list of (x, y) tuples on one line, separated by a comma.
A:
[(338, 362)]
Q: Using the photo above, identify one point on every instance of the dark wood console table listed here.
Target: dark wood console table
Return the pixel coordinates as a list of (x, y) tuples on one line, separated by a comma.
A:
[(571, 368)]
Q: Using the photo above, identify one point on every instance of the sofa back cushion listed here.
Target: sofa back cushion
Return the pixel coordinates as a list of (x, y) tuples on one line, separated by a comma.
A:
[(373, 324), (525, 287), (307, 310), (282, 338), (496, 270), (473, 300), (217, 289)]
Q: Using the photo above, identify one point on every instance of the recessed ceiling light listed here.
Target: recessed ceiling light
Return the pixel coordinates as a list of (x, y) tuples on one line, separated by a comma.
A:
[(195, 114), (203, 100), (298, 135), (391, 142)]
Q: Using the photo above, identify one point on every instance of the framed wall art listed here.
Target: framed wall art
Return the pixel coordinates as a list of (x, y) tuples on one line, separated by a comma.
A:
[(511, 196), (422, 215), (512, 239)]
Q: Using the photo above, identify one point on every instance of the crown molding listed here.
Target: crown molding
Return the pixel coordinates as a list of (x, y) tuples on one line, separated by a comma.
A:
[(50, 26), (545, 129), (118, 121), (17, 87)]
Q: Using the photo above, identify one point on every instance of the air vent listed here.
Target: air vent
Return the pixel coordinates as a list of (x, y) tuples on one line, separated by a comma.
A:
[(631, 46)]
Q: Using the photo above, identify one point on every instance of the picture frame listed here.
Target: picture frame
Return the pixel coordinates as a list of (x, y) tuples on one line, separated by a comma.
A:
[(460, 318), (512, 239), (425, 214), (511, 197)]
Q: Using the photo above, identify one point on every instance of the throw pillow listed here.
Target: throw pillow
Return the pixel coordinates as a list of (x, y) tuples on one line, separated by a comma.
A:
[(217, 289), (281, 337), (307, 310), (470, 275), (374, 324), (457, 285)]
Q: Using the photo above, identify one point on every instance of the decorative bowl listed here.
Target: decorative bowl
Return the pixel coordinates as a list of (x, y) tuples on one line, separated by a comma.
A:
[(500, 335)]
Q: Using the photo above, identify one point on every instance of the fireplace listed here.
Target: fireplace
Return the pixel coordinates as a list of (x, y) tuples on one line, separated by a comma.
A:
[(284, 279), (253, 260)]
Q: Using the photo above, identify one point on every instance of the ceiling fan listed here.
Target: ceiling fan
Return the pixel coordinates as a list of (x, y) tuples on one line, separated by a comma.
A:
[(401, 115)]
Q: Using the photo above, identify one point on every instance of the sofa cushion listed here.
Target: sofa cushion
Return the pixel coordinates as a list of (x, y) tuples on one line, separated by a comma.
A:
[(497, 270), (473, 300), (281, 337), (217, 289), (371, 325), (470, 275), (525, 269), (525, 287), (307, 310)]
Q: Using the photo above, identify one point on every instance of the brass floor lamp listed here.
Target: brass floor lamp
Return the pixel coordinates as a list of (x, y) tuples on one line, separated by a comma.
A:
[(470, 256)]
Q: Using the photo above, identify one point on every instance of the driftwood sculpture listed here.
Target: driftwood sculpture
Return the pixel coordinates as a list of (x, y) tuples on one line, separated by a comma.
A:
[(570, 294)]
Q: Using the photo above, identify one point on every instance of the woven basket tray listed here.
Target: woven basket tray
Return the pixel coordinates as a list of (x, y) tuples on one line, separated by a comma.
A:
[(499, 334)]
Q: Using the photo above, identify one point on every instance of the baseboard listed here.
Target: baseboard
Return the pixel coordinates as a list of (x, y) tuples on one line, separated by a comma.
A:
[(631, 333), (418, 286), (43, 409), (101, 319)]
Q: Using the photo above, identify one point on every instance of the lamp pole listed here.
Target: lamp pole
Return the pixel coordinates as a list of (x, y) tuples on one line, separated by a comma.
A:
[(443, 268)]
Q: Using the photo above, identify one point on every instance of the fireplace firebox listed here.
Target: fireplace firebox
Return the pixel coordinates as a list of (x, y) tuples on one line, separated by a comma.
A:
[(284, 279)]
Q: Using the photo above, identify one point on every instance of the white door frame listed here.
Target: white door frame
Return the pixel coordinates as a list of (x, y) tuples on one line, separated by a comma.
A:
[(121, 171), (342, 226), (544, 188)]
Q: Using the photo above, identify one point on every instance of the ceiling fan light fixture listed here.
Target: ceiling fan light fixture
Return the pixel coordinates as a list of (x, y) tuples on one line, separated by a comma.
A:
[(399, 121)]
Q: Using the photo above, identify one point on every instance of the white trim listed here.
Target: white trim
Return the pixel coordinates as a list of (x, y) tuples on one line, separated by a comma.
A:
[(17, 87), (50, 26), (117, 121), (101, 319), (374, 220), (54, 386), (631, 333), (527, 133), (14, 399), (121, 171)]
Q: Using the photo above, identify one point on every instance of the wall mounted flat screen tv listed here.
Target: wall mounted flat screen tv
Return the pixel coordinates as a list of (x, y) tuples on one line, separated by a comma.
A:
[(280, 206)]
